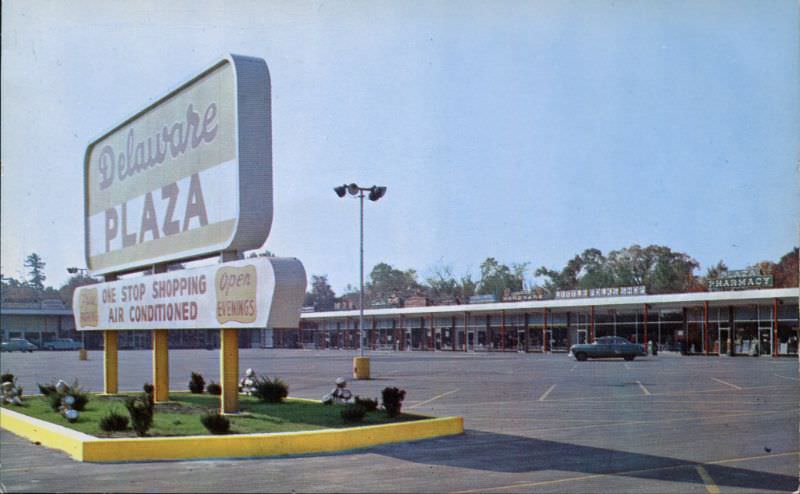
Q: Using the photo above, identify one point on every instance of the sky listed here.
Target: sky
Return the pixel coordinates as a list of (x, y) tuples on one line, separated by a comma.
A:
[(527, 131)]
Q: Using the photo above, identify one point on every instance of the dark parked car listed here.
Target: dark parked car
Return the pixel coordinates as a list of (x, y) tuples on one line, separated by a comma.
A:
[(607, 347), (62, 344), (17, 345)]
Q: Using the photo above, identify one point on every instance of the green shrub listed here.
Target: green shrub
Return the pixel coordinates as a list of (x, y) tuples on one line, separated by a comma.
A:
[(270, 391), (214, 389), (368, 404), (114, 422), (140, 408), (54, 397), (149, 389), (197, 384), (216, 423), (7, 378), (81, 396), (46, 389), (353, 412), (54, 400), (393, 400)]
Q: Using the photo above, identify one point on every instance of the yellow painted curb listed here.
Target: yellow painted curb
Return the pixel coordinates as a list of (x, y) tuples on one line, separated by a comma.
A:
[(84, 447)]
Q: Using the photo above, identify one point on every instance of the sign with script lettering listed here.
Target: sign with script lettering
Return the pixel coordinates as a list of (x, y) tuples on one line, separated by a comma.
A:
[(254, 293), (187, 177)]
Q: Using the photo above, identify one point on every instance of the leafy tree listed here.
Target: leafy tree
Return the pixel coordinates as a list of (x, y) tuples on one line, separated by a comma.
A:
[(386, 281), (785, 273), (566, 279), (716, 270), (444, 285), (321, 296), (656, 267), (594, 270), (68, 288), (36, 276), (496, 277)]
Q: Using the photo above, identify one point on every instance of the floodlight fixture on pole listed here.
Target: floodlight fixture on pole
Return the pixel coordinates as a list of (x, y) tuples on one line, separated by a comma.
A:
[(375, 193), (80, 271)]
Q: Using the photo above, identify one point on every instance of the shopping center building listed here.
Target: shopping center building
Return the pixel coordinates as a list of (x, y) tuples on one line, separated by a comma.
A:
[(762, 321)]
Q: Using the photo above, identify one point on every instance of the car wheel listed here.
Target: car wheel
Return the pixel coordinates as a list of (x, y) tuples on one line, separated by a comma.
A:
[(580, 357), (629, 357)]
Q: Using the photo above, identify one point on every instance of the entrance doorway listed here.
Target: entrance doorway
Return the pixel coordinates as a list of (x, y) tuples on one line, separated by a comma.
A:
[(547, 345), (724, 340), (522, 341), (764, 341), (583, 336)]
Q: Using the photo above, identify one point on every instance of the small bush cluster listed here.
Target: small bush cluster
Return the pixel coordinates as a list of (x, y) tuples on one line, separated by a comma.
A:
[(216, 423), (114, 422), (368, 404), (149, 389), (55, 398), (393, 400), (270, 391), (7, 377), (214, 389), (353, 412), (140, 409), (197, 384)]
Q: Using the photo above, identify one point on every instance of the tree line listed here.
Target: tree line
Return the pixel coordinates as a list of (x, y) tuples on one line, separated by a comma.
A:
[(658, 268)]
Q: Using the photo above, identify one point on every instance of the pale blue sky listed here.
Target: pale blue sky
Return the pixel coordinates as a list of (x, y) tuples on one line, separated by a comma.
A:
[(527, 131)]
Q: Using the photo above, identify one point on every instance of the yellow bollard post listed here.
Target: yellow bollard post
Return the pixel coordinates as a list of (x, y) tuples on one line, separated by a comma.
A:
[(110, 362), (361, 368), (160, 365), (229, 370)]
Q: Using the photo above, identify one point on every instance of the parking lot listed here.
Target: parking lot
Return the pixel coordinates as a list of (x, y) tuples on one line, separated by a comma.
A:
[(534, 423)]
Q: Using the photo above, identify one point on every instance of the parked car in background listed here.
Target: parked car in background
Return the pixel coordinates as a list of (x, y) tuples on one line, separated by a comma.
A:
[(607, 347), (17, 345), (62, 344)]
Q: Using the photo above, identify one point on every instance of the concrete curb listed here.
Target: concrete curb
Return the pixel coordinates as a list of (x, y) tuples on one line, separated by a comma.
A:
[(83, 447)]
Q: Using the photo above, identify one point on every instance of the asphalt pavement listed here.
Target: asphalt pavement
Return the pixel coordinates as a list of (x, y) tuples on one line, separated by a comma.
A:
[(534, 423)]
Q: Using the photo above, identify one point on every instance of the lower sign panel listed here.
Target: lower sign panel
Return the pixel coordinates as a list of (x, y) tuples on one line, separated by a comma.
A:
[(253, 293)]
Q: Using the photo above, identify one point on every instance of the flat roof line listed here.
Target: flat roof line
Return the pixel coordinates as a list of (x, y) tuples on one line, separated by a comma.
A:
[(664, 301)]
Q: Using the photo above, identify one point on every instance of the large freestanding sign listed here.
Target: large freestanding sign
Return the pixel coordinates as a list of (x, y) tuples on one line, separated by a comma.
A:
[(188, 176)]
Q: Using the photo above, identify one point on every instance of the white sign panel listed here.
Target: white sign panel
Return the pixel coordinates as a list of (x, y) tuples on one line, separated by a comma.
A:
[(254, 293), (187, 177)]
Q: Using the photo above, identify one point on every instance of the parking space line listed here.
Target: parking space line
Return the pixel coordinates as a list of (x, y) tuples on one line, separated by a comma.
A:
[(787, 377), (711, 487), (726, 383), (644, 390), (573, 367), (434, 398), (544, 395), (519, 485)]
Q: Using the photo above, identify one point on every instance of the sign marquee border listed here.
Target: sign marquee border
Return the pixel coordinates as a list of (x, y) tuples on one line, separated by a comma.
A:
[(252, 293), (252, 167)]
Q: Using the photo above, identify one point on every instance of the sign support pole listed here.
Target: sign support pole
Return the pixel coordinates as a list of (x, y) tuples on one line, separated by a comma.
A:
[(110, 362), (160, 365), (229, 369)]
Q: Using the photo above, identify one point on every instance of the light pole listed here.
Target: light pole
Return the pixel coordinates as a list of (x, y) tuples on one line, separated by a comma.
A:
[(361, 363)]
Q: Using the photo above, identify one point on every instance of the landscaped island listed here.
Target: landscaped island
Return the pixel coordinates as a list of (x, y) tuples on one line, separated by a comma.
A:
[(181, 415)]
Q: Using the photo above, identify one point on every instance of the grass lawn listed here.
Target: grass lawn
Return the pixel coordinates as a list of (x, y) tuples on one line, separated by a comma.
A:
[(181, 415)]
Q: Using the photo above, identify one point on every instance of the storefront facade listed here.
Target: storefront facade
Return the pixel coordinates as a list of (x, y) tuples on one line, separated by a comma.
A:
[(763, 322)]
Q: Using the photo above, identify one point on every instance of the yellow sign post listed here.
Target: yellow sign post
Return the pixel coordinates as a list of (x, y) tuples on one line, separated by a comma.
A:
[(229, 369), (160, 365), (110, 366)]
